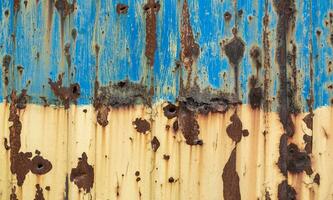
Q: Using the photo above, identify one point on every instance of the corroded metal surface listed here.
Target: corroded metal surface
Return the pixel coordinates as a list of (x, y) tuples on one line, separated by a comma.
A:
[(178, 99)]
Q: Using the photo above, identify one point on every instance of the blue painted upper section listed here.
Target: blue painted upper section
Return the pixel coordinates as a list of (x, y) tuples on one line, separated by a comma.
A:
[(40, 40)]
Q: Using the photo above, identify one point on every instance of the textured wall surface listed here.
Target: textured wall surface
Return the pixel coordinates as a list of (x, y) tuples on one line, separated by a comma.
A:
[(173, 99)]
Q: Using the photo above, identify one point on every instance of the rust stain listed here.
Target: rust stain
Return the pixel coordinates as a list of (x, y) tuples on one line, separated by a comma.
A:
[(5, 68), (13, 195), (166, 157), (40, 165), (5, 143), (255, 54), (230, 178), (317, 179), (189, 126), (39, 193), (235, 130), (175, 126), (308, 120), (74, 33), (286, 191), (151, 9), (16, 5), (122, 8), (171, 180), (64, 8), (308, 143), (190, 49), (256, 93), (83, 174), (155, 144), (66, 94), (141, 125), (227, 16)]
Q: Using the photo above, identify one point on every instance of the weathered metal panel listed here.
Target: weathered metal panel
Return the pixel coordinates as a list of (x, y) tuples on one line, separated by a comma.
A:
[(140, 99)]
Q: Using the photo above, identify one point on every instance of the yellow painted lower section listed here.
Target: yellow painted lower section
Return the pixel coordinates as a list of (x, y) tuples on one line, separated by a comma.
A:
[(118, 151)]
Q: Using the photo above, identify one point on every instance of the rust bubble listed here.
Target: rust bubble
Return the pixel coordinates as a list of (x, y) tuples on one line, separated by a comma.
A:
[(286, 191), (39, 193), (170, 111), (141, 125), (122, 8), (83, 174), (65, 94), (230, 178), (227, 16), (155, 144), (151, 9), (235, 130), (40, 165)]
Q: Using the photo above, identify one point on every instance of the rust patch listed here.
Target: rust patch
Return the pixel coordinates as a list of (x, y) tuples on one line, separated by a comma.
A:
[(7, 13), (74, 33), (16, 5), (317, 179), (256, 93), (122, 8), (171, 180), (83, 174), (20, 69), (68, 54), (230, 178), (5, 68), (47, 188), (22, 100), (255, 54), (40, 165), (267, 195), (166, 157), (283, 150), (39, 193), (5, 143), (155, 144), (227, 16), (308, 120), (189, 126), (64, 8), (137, 173), (308, 143), (102, 115), (13, 195), (286, 191), (151, 9), (65, 94), (170, 111), (175, 126), (190, 49), (141, 125), (235, 130)]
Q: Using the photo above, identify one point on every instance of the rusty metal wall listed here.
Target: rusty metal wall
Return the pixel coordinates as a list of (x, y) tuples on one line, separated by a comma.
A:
[(176, 99)]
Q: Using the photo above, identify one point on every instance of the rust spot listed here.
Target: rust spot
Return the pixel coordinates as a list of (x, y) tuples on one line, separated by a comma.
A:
[(16, 5), (255, 54), (308, 143), (40, 165), (230, 178), (267, 195), (189, 126), (190, 49), (39, 193), (44, 100), (47, 188), (83, 174), (141, 125), (166, 157), (155, 144), (151, 9), (20, 69), (5, 68), (235, 130), (308, 120), (13, 195), (137, 173), (66, 94), (102, 115), (175, 126), (171, 180), (138, 179), (122, 8), (68, 54), (286, 191), (256, 93), (317, 179), (7, 13), (170, 111), (64, 8), (227, 16), (85, 110), (22, 100), (74, 33)]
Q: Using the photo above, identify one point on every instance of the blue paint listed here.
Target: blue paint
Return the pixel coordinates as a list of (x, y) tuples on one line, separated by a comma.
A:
[(121, 39)]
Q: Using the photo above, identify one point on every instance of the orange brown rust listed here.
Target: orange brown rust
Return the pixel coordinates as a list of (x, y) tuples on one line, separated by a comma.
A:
[(155, 144), (190, 49), (189, 126), (64, 8), (170, 111), (141, 125), (65, 94), (13, 195), (122, 8), (230, 178), (16, 5), (317, 179), (286, 191), (151, 9), (256, 93), (235, 130), (83, 174), (308, 143), (39, 193), (5, 141)]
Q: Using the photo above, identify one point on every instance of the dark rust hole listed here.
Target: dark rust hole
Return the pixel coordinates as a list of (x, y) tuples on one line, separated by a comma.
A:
[(75, 89), (40, 166)]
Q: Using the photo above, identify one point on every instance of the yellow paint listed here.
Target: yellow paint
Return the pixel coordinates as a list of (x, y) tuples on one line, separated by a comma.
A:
[(118, 151)]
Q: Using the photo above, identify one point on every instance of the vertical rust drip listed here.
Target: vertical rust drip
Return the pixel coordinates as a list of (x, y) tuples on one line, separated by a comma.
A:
[(267, 59), (151, 8), (13, 195), (83, 174), (230, 178), (39, 193)]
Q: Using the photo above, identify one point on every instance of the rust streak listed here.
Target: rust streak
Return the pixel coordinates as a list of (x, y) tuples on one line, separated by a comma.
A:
[(230, 178), (39, 193)]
